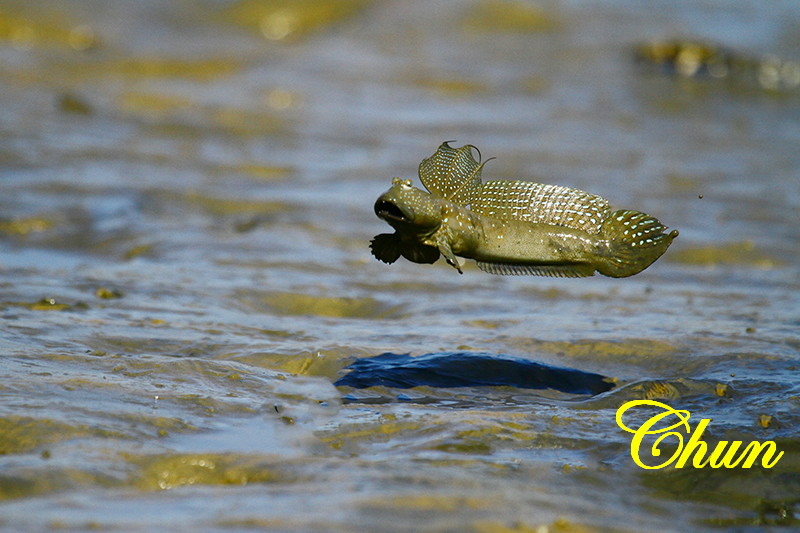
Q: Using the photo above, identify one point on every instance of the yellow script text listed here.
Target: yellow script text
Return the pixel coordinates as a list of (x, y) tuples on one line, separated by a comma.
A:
[(667, 424)]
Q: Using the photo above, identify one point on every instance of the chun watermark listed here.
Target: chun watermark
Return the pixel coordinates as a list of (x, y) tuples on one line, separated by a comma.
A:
[(673, 424)]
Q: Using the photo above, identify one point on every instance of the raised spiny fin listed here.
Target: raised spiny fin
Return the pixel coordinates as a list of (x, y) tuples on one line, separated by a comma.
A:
[(452, 173), (545, 204), (578, 270)]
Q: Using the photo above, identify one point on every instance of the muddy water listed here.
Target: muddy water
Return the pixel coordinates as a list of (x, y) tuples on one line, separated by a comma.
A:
[(186, 196)]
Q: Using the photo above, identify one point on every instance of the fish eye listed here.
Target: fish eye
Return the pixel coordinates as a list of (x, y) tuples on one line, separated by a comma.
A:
[(406, 184)]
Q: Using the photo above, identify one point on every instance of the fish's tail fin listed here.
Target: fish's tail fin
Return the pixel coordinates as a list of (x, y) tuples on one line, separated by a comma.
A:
[(634, 241)]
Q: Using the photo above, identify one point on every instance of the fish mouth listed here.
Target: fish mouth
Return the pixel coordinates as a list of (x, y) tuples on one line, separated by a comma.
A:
[(387, 210)]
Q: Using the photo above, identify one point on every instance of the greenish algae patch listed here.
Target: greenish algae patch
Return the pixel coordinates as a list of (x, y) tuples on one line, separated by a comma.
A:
[(298, 304), (35, 28), (233, 206), (29, 482), (430, 502), (161, 426), (673, 389), (684, 183), (562, 525), (484, 434), (179, 116), (508, 16), (465, 445), (108, 294), (137, 251), (658, 390), (536, 85), (208, 406), (260, 171), (156, 67), (596, 348), (218, 206), (24, 434), (25, 226), (72, 103), (743, 490), (47, 304), (409, 286), (388, 429), (449, 86), (320, 363), (488, 324), (287, 20), (155, 105), (168, 471), (263, 524), (244, 122), (743, 253), (165, 67)]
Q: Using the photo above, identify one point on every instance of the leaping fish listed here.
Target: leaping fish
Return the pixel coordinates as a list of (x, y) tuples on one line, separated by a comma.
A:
[(511, 227)]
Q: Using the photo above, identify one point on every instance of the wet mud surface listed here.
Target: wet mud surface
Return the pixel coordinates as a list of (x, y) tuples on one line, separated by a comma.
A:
[(186, 195)]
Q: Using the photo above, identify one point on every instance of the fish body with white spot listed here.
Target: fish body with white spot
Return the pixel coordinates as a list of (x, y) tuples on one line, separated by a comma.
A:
[(511, 227)]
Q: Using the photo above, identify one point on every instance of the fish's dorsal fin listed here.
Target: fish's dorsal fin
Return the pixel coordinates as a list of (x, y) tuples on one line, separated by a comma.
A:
[(545, 204), (452, 173)]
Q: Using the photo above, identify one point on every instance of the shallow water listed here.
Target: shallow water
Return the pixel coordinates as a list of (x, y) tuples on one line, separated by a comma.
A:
[(185, 211)]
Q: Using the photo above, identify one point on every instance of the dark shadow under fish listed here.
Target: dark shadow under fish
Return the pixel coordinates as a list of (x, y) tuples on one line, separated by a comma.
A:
[(468, 369), (511, 227)]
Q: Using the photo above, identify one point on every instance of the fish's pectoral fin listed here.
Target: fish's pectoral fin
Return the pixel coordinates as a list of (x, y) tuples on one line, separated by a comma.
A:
[(419, 253), (386, 247), (447, 252)]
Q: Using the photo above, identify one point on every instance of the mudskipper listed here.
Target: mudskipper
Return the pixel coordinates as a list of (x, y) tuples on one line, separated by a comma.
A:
[(511, 227)]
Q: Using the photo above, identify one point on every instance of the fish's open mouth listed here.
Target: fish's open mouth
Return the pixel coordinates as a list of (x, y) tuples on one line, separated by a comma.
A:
[(386, 209)]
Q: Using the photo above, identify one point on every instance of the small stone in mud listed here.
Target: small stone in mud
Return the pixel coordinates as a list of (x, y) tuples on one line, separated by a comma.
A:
[(767, 421), (136, 251), (722, 390), (70, 103), (108, 294), (48, 304)]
